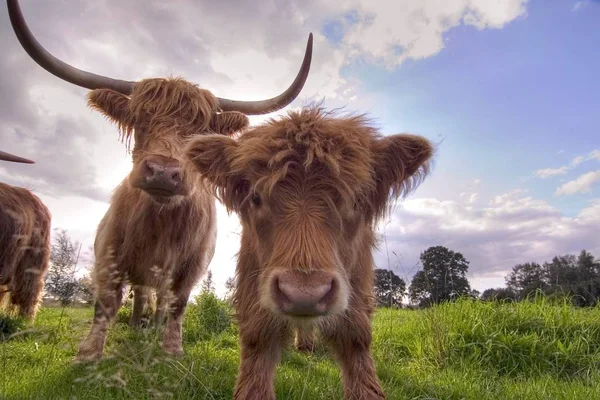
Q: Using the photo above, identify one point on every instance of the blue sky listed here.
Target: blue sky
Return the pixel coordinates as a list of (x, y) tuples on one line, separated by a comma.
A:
[(505, 104), (509, 90), (506, 101)]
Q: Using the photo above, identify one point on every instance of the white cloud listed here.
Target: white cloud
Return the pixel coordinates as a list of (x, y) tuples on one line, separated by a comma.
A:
[(392, 32), (549, 172), (512, 228), (582, 184), (470, 198), (577, 160), (579, 5)]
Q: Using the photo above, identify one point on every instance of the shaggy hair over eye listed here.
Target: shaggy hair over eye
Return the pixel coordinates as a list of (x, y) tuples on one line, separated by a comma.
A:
[(346, 155), (165, 105)]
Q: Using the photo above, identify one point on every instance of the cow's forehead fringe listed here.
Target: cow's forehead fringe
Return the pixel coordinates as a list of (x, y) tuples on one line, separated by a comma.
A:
[(164, 103), (173, 97), (333, 148)]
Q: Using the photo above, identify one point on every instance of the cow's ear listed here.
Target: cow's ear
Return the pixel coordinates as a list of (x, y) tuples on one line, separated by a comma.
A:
[(229, 122), (400, 164), (212, 156), (113, 105)]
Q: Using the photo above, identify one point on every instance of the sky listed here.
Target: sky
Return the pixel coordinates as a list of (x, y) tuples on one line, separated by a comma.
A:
[(508, 91)]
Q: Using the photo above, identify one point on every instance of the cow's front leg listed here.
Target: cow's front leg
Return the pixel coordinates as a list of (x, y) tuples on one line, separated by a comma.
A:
[(173, 299), (262, 340), (140, 299), (107, 304), (172, 340), (163, 297), (350, 340), (305, 339)]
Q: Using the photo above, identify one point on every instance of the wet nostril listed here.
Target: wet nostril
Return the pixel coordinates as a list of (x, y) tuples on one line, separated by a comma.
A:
[(176, 177), (148, 170), (279, 292), (330, 294), (153, 169)]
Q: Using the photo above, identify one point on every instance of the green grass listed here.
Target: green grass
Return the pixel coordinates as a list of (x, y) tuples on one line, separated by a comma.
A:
[(465, 350)]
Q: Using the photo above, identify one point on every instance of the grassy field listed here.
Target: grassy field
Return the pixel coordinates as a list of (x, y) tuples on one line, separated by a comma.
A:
[(465, 350)]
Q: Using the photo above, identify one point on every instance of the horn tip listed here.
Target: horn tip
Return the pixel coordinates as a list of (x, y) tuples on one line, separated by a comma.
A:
[(309, 48), (12, 158)]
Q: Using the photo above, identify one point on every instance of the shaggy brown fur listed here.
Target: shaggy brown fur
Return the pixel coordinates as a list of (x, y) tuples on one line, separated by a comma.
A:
[(24, 248), (154, 240), (144, 300), (309, 189), (304, 339), (149, 302)]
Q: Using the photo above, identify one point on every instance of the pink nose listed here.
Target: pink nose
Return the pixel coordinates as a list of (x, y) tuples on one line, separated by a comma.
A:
[(300, 294), (162, 177)]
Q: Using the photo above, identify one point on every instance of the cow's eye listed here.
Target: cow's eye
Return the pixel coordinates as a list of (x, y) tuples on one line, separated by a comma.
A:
[(256, 200)]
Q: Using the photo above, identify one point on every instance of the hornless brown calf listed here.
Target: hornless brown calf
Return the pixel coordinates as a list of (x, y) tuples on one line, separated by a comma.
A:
[(309, 189), (160, 228), (24, 245)]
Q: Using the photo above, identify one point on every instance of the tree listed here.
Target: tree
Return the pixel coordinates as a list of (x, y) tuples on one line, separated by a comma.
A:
[(576, 277), (561, 274), (85, 290), (389, 288), (207, 284), (586, 289), (498, 294), (61, 281), (229, 288), (442, 278), (526, 279)]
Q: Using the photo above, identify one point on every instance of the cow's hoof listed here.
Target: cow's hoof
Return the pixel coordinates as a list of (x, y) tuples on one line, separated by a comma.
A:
[(304, 348), (87, 356), (173, 350)]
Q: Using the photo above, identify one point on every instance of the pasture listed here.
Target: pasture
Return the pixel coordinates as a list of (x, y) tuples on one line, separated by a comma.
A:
[(463, 350)]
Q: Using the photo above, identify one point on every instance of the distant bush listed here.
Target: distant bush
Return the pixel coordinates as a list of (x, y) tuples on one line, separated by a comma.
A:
[(124, 313), (207, 316), (10, 325)]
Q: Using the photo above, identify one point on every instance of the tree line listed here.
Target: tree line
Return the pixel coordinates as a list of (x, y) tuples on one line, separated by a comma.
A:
[(443, 278), (575, 276)]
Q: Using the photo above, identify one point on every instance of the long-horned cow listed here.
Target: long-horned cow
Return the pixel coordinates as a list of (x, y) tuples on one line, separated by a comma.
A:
[(308, 188), (160, 228), (24, 245)]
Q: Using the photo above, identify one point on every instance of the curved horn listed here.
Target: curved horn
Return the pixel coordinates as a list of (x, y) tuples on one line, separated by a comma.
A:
[(54, 65), (92, 81), (278, 102), (10, 157)]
